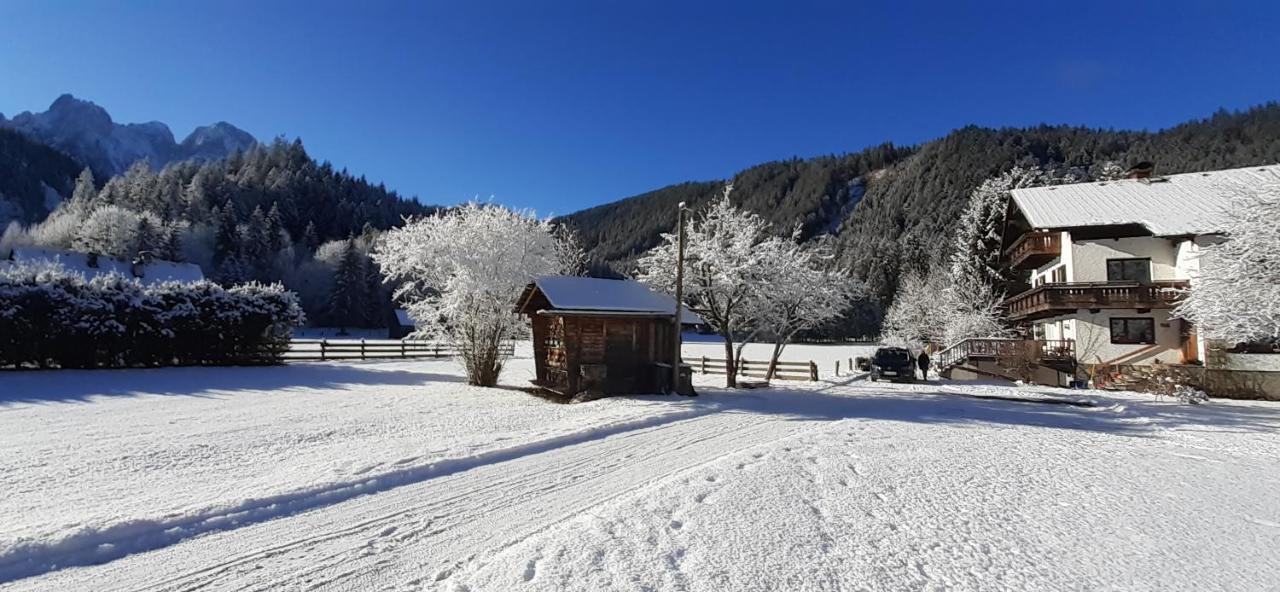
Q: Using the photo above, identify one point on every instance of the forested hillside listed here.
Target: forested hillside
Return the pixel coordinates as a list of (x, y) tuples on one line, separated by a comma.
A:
[(33, 178), (269, 214), (893, 208)]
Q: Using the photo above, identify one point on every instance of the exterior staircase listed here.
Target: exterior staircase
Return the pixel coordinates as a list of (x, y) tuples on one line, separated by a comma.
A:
[(1006, 358)]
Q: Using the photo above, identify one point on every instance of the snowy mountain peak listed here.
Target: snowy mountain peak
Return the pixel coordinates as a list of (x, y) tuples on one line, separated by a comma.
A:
[(86, 131), (221, 138), (70, 112)]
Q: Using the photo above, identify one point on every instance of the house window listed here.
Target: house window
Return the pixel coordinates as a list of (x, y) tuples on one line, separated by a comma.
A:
[(1137, 331), (1129, 270)]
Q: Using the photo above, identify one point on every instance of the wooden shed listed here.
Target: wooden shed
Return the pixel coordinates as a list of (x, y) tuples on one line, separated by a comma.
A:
[(609, 336)]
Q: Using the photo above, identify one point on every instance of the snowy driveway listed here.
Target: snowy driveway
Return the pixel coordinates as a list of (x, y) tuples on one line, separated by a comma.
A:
[(822, 487)]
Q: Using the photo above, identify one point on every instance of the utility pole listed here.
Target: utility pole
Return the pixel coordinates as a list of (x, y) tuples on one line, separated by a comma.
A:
[(675, 358)]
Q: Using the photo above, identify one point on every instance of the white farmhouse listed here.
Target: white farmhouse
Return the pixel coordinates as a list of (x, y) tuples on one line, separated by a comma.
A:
[(1107, 261)]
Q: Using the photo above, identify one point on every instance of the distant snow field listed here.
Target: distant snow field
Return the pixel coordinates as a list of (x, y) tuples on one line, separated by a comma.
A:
[(397, 476)]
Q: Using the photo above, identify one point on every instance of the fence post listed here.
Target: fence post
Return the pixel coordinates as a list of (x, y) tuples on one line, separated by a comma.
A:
[(813, 371), (837, 367), (361, 348), (322, 344), (403, 353), (704, 364), (436, 352)]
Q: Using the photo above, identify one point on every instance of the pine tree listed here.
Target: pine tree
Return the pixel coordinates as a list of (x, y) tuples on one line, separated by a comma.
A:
[(257, 238), (85, 189), (376, 310), (226, 238), (173, 243), (346, 299), (310, 239), (151, 239), (275, 228)]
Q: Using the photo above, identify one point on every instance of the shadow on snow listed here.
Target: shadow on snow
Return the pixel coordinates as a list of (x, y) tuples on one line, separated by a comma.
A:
[(81, 386), (932, 403)]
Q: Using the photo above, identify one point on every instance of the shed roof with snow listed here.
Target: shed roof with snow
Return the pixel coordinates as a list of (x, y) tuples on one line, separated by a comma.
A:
[(571, 295), (1173, 205)]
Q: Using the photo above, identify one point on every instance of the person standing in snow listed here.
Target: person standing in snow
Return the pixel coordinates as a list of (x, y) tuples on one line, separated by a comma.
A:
[(923, 363)]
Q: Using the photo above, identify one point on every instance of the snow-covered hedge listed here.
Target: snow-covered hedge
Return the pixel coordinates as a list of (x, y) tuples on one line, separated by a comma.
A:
[(51, 317)]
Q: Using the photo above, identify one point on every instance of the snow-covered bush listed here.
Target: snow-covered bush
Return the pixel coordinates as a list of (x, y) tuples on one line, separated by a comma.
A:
[(1190, 395), (462, 271), (53, 318)]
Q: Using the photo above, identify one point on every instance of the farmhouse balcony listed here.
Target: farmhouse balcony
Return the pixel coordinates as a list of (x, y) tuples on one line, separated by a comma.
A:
[(1050, 300), (1034, 249)]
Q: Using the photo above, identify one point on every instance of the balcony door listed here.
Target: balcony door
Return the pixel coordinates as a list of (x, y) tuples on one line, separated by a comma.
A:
[(1129, 270)]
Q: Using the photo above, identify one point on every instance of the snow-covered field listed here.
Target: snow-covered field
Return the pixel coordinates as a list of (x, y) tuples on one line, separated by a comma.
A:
[(396, 475)]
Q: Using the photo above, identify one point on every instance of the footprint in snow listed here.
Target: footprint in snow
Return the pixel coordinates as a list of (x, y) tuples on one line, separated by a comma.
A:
[(676, 525), (530, 570)]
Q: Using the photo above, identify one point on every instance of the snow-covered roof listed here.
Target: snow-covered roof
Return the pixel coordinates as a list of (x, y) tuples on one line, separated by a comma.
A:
[(570, 293), (154, 272), (1174, 205)]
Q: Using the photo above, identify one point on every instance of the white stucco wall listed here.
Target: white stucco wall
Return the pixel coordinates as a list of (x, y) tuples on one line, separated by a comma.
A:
[(1092, 332), (1089, 257)]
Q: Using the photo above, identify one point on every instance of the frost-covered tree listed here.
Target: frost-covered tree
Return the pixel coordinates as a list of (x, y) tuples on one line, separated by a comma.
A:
[(171, 249), (1235, 295), (726, 275), (802, 294), (969, 300), (109, 230), (462, 271), (85, 189), (1110, 171), (970, 308), (918, 314), (976, 247)]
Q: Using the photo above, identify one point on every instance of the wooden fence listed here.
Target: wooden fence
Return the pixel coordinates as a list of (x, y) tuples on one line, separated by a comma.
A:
[(757, 369), (301, 350)]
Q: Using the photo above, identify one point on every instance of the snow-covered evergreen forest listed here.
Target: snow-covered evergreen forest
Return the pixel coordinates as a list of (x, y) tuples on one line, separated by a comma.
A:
[(270, 214), (892, 211), (893, 219)]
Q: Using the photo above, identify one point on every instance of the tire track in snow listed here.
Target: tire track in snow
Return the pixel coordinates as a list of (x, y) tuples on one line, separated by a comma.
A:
[(93, 546), (443, 523)]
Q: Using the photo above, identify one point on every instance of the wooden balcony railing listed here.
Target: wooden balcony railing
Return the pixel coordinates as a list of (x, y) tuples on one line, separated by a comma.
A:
[(1053, 299), (997, 349), (1034, 249)]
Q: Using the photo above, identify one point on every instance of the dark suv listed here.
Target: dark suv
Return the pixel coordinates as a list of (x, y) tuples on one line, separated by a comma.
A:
[(893, 363)]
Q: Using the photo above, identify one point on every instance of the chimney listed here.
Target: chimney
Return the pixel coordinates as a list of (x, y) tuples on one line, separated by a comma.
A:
[(1142, 170)]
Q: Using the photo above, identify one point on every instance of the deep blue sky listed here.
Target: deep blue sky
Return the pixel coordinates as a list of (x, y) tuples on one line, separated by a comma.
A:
[(564, 106)]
